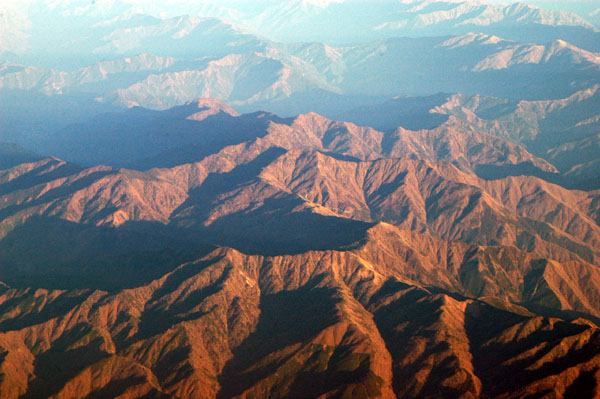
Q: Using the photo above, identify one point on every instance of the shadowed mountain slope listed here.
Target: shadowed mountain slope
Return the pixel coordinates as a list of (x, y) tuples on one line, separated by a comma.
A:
[(283, 192), (314, 324)]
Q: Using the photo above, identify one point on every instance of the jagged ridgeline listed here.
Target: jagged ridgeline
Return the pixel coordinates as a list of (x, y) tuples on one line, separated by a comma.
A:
[(300, 199)]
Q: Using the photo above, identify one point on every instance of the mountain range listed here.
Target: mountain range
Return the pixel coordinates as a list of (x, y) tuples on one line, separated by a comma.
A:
[(265, 73), (346, 245), (332, 22), (290, 79), (333, 199), (562, 131), (491, 136)]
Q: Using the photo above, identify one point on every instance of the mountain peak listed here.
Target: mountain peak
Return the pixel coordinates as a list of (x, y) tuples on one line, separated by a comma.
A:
[(312, 121), (206, 107), (560, 43), (203, 102), (471, 38)]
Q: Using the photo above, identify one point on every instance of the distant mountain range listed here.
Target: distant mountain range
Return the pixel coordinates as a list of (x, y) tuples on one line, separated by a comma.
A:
[(332, 22), (296, 78), (133, 59)]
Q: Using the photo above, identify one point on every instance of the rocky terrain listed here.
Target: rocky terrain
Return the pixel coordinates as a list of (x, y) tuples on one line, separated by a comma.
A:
[(209, 200), (361, 258), (361, 322), (564, 131)]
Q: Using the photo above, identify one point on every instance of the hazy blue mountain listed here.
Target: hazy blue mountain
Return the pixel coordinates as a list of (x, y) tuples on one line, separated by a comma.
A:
[(348, 21), (290, 79), (298, 74), (65, 34), (12, 155)]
